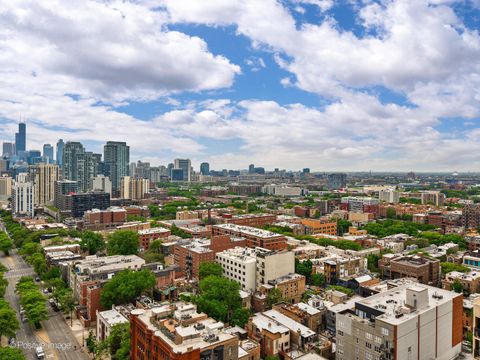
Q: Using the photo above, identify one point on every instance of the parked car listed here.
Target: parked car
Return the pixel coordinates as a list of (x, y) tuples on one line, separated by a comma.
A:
[(39, 352)]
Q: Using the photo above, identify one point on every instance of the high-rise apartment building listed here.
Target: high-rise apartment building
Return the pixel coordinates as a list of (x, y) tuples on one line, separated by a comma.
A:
[(101, 182), (433, 198), (8, 149), (389, 196), (21, 139), (48, 153), (23, 196), (186, 166), (134, 188), (5, 187), (44, 177), (471, 216), (407, 322), (59, 155), (205, 168), (79, 165), (116, 156), (62, 189)]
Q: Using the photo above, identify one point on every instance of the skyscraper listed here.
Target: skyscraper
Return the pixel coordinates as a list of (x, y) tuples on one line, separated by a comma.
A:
[(21, 138), (44, 177), (185, 165), (60, 145), (336, 181), (204, 168), (8, 149), (116, 156), (251, 169), (48, 153), (79, 165)]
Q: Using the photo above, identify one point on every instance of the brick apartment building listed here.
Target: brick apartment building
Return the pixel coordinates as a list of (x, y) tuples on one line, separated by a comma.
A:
[(471, 216), (253, 220), (425, 270), (104, 219), (317, 226), (178, 332), (255, 237), (148, 235), (190, 253)]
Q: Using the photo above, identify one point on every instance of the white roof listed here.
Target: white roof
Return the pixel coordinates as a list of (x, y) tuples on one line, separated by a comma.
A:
[(289, 323)]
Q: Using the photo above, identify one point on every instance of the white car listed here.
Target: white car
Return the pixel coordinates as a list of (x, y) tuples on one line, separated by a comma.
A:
[(39, 352)]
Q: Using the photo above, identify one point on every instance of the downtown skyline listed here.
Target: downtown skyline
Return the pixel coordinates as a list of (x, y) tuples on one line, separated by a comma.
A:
[(329, 85)]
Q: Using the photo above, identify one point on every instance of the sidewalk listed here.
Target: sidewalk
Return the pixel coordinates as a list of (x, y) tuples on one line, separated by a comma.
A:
[(79, 332)]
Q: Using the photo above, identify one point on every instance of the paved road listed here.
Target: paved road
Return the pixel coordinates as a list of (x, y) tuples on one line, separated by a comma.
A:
[(55, 333)]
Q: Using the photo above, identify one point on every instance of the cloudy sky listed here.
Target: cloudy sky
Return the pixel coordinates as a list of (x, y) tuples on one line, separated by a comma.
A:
[(325, 84)]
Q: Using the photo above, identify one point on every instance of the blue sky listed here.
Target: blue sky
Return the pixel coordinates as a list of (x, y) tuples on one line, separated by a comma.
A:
[(330, 85)]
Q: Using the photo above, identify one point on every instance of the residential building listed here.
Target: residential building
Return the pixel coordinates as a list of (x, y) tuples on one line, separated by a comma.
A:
[(134, 188), (109, 218), (317, 226), (255, 237), (240, 265), (291, 286), (106, 320), (116, 156), (471, 216), (101, 183), (63, 188), (77, 204), (179, 332), (283, 190), (389, 196), (476, 328), (435, 198), (6, 183), (408, 322), (8, 149), (424, 269), (470, 281), (311, 317), (44, 177), (23, 196), (148, 235), (360, 204), (254, 220), (273, 337), (78, 165)]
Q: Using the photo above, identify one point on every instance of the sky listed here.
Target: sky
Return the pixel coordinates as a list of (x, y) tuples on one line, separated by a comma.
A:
[(347, 85)]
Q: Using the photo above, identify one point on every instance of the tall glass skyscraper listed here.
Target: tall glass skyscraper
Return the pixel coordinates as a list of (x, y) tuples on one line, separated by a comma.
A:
[(48, 153), (78, 165), (60, 145), (21, 138), (116, 156)]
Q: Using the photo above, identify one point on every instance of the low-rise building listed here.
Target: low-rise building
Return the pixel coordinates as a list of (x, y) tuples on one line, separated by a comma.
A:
[(424, 269), (470, 281), (106, 320), (148, 235), (255, 237)]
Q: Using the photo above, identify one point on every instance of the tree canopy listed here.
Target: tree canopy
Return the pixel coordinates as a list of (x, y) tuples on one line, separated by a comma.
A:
[(123, 242), (209, 268), (92, 242), (125, 286)]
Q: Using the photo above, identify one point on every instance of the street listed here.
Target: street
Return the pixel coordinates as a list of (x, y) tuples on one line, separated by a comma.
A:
[(54, 333)]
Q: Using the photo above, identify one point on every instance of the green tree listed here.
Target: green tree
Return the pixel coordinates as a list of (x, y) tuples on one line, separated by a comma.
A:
[(304, 268), (11, 353), (219, 297), (372, 262), (38, 262), (209, 268), (240, 317), (154, 252), (91, 342), (3, 285), (32, 300), (318, 279), (391, 213), (92, 242), (272, 357), (125, 286), (343, 289), (342, 226), (30, 248), (119, 341), (457, 286), (123, 242), (449, 267), (5, 243), (66, 301), (174, 230), (273, 297), (8, 320)]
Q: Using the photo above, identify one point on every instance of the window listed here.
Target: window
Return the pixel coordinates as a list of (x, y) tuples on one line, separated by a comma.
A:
[(368, 336), (378, 339), (368, 345), (385, 331)]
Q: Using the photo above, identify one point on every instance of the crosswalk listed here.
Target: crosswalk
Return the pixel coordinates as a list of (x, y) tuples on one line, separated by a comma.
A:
[(18, 273)]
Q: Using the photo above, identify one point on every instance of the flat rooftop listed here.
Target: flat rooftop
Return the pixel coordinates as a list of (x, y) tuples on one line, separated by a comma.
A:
[(291, 324), (248, 230), (392, 302)]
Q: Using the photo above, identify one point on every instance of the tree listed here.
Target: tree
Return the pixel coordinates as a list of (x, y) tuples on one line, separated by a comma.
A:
[(154, 252), (92, 242), (11, 353), (66, 301), (8, 320), (5, 243), (318, 279), (209, 268), (174, 230), (304, 268), (449, 267), (30, 248), (272, 357), (372, 262), (240, 317), (123, 242), (125, 286), (119, 341), (274, 297), (343, 289), (457, 286), (342, 226), (391, 213), (91, 342), (219, 297), (32, 300), (3, 285), (38, 262)]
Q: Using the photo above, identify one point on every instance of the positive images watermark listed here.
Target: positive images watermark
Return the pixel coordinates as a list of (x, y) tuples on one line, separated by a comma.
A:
[(34, 345)]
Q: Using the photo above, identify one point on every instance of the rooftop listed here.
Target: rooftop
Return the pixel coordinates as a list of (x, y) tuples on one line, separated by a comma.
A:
[(248, 230), (291, 324), (112, 317)]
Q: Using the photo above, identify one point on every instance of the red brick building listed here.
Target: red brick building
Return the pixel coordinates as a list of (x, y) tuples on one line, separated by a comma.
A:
[(254, 237), (148, 235), (254, 220)]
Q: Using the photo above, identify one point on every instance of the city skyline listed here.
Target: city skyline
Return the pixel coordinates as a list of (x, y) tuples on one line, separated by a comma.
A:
[(328, 85)]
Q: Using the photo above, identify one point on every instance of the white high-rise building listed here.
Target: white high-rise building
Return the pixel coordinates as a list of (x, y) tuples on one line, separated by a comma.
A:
[(44, 177), (101, 182), (134, 188), (23, 196), (389, 196)]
